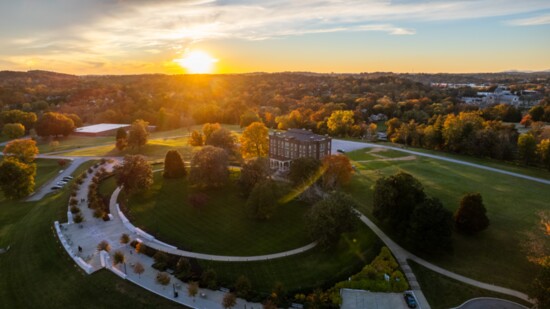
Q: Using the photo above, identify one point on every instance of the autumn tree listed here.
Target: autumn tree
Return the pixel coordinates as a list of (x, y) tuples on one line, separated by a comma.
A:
[(395, 198), (471, 215), (222, 138), (13, 130), (163, 278), (124, 238), (430, 226), (196, 138), (255, 141), (253, 171), (209, 167), (54, 124), (134, 173), (527, 147), (262, 201), (337, 171), (209, 128), (118, 258), (331, 217), (543, 150), (104, 245), (16, 178), (192, 289), (24, 150), (76, 120), (229, 300), (174, 167), (121, 139), (538, 253), (340, 123), (139, 269)]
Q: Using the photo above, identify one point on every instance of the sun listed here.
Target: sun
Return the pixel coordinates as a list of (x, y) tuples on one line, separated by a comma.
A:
[(197, 62)]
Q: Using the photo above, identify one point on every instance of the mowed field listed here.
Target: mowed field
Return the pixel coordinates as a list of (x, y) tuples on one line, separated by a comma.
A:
[(495, 255), (37, 272)]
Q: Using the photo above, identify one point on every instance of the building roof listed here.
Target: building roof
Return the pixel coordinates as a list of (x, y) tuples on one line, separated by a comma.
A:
[(102, 127), (302, 135)]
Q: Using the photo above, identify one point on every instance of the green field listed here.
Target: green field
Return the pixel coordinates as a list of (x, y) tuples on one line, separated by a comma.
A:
[(37, 272), (494, 256), (307, 271), (442, 292), (222, 227)]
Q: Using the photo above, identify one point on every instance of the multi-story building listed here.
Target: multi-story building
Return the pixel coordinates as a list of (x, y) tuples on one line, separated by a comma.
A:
[(296, 143)]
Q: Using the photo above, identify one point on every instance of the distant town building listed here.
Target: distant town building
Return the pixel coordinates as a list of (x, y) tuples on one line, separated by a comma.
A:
[(104, 129), (296, 143)]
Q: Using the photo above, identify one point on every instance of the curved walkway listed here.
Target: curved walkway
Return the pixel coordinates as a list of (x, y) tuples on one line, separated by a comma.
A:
[(489, 303), (350, 146), (402, 255), (158, 245)]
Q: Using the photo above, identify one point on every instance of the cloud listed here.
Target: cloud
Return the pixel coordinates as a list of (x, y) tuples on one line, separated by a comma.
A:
[(531, 21)]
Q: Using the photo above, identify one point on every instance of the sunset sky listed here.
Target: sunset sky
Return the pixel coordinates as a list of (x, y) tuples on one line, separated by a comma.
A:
[(165, 36)]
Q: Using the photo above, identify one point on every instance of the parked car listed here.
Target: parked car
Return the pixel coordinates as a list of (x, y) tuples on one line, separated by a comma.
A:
[(61, 183), (410, 300), (340, 150), (68, 177), (55, 188)]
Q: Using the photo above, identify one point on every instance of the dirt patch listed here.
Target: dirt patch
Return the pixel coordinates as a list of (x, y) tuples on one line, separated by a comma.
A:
[(407, 158), (377, 149)]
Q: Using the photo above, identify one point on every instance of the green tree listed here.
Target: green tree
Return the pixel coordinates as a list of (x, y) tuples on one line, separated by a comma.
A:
[(471, 216), (255, 141), (121, 139), (222, 138), (134, 173), (543, 150), (527, 147), (209, 167), (331, 217), (395, 198), (16, 178), (229, 300), (27, 119), (536, 113), (243, 286), (24, 150), (209, 279), (138, 134), (340, 122), (430, 226), (248, 118), (54, 124), (253, 171), (262, 201), (304, 170), (183, 267), (337, 171), (196, 139), (13, 130), (174, 167)]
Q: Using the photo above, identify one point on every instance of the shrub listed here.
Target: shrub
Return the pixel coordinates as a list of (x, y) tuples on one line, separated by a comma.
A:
[(118, 257), (75, 209), (209, 280), (104, 245), (73, 201), (78, 218), (98, 213), (124, 238)]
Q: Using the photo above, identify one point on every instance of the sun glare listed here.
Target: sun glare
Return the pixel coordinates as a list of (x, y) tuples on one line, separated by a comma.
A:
[(197, 62)]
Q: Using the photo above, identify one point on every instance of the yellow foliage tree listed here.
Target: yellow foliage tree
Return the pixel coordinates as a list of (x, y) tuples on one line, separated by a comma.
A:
[(254, 141)]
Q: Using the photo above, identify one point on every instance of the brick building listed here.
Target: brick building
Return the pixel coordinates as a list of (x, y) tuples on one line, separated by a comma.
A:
[(296, 143)]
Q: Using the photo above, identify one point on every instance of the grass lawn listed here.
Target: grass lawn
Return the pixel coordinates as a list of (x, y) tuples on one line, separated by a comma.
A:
[(504, 165), (443, 292), (312, 269), (37, 272), (495, 255), (222, 227)]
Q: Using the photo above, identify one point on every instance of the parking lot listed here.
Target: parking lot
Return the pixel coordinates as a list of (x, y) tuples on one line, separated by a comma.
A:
[(358, 299)]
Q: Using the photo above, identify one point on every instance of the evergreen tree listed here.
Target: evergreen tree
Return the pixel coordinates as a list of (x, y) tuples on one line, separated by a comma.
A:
[(471, 216), (174, 167)]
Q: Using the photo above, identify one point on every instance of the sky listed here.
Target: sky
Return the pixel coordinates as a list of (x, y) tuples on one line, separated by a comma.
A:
[(173, 37)]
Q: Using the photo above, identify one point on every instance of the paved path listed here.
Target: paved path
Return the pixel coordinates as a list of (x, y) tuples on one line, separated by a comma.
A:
[(350, 146), (202, 256), (489, 303), (402, 255)]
